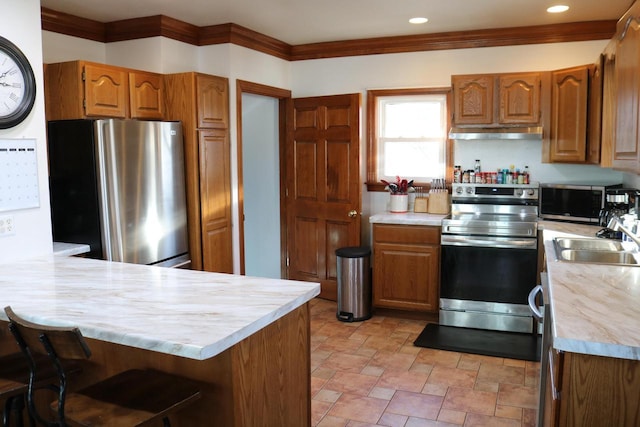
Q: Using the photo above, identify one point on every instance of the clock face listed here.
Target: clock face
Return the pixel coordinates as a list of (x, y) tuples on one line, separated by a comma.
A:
[(17, 85)]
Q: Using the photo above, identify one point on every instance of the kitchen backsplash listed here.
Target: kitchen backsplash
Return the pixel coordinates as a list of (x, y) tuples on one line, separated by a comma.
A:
[(501, 154)]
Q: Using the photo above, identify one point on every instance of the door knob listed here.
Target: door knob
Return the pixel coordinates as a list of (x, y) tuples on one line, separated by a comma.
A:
[(352, 213)]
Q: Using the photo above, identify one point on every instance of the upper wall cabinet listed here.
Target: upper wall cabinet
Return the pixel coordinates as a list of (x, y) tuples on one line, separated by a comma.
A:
[(497, 99), (626, 150), (569, 100), (80, 89)]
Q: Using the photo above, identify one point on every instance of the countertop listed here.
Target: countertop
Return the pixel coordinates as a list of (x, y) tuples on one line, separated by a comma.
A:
[(595, 308), (187, 313), (70, 249), (408, 218)]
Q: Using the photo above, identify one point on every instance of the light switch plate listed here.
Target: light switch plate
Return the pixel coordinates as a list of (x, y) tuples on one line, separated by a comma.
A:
[(7, 227)]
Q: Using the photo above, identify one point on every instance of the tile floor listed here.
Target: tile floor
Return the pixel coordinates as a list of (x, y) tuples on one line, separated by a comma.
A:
[(370, 374)]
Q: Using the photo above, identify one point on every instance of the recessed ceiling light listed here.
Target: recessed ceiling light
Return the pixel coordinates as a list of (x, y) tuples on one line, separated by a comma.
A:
[(418, 20), (558, 8)]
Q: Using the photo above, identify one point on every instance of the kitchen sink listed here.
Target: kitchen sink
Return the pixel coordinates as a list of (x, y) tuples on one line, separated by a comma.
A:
[(599, 257), (588, 244), (596, 251)]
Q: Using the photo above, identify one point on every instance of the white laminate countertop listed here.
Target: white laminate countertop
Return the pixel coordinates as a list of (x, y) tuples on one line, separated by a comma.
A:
[(408, 218), (595, 307), (70, 249), (187, 313)]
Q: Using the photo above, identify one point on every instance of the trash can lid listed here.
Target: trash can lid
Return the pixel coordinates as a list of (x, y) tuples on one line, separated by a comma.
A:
[(353, 252)]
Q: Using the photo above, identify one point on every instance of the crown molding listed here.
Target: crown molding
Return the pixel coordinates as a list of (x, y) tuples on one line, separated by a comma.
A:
[(160, 25)]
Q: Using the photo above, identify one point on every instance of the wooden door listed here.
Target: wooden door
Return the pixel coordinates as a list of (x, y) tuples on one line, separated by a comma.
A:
[(569, 99), (215, 201), (626, 152), (323, 190), (473, 99), (146, 95), (519, 99), (106, 91)]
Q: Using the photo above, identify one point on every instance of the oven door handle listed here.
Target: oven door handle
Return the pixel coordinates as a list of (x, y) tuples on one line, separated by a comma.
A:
[(530, 243), (537, 313)]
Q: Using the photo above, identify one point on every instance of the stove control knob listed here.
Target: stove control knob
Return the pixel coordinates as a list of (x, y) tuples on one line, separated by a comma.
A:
[(470, 190), (459, 190), (519, 192), (531, 192)]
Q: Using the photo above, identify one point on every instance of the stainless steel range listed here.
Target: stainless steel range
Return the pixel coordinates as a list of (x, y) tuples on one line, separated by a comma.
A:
[(489, 257)]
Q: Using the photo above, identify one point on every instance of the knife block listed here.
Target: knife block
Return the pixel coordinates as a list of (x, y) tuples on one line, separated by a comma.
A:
[(439, 203), (420, 204)]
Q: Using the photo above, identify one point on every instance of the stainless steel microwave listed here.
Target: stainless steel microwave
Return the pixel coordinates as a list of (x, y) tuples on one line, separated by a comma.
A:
[(573, 202)]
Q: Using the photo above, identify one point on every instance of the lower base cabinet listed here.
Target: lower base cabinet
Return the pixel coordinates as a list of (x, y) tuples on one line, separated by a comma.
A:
[(406, 267), (586, 390)]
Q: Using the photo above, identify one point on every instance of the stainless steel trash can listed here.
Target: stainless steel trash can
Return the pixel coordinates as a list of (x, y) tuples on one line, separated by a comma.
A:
[(354, 284)]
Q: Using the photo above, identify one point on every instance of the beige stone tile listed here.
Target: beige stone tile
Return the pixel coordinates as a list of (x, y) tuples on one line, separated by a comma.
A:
[(452, 417), (403, 380), (345, 362), (330, 421), (415, 404), (393, 420), (479, 420), (348, 382), (382, 393), (435, 389), (518, 395), (512, 412), (358, 408), (392, 361), (452, 377), (501, 374), (438, 357), (469, 400)]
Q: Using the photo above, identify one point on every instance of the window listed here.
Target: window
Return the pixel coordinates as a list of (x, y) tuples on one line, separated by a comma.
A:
[(407, 135)]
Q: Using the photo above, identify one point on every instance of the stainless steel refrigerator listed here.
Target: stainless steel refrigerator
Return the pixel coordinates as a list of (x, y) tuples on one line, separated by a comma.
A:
[(119, 186)]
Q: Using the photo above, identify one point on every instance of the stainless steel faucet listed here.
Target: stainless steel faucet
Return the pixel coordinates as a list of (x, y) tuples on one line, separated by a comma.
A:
[(616, 225)]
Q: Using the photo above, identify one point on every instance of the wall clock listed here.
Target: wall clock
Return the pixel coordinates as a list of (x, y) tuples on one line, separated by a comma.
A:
[(17, 85)]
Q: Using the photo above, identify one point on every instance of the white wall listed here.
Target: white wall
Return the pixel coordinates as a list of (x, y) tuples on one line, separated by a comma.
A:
[(20, 23)]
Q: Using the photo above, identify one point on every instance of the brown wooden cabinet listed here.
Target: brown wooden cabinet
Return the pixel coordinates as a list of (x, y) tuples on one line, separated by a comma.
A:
[(201, 103), (497, 99), (626, 150), (406, 267), (569, 101), (81, 89)]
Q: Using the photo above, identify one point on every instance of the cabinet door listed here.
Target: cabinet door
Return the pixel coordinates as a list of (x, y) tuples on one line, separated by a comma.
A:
[(406, 276), (215, 201), (105, 91), (626, 152), (473, 99), (519, 99), (213, 102), (569, 99), (146, 95)]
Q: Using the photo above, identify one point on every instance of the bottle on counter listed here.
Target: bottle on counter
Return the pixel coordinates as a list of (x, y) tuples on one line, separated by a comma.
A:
[(457, 174), (477, 169), (527, 179)]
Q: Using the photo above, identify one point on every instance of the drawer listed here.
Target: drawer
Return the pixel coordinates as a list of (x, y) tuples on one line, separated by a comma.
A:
[(416, 234)]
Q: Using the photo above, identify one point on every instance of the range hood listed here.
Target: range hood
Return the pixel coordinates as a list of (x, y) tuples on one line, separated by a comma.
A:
[(519, 133)]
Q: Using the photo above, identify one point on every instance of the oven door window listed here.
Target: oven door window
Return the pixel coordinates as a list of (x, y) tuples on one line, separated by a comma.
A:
[(504, 275)]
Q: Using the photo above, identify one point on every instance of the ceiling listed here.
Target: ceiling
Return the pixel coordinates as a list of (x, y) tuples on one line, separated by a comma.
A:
[(298, 22)]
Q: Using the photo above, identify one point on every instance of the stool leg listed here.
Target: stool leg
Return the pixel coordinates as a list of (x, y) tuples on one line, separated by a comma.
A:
[(13, 404), (166, 422)]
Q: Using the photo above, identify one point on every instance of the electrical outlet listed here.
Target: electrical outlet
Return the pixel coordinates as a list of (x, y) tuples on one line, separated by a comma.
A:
[(6, 226)]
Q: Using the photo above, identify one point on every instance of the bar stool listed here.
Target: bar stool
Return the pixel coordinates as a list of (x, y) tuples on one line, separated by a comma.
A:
[(131, 398), (14, 383)]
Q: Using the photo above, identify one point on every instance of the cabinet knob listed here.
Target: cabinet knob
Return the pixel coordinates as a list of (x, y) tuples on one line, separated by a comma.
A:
[(352, 213)]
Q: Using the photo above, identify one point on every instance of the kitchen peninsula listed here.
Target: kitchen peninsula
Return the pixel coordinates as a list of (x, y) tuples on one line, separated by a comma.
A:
[(246, 339)]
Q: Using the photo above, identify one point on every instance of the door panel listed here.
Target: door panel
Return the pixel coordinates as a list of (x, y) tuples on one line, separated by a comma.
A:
[(323, 186)]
